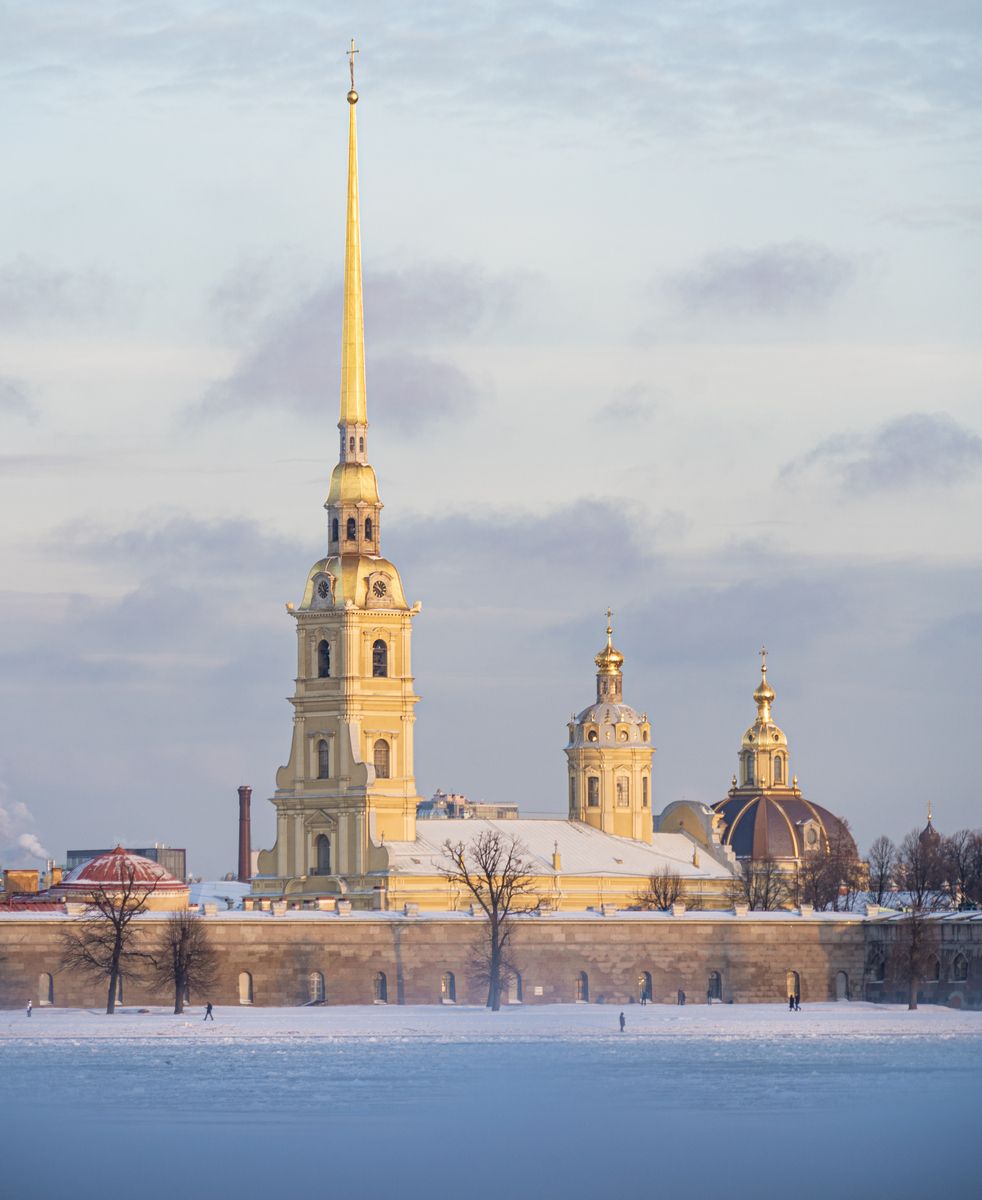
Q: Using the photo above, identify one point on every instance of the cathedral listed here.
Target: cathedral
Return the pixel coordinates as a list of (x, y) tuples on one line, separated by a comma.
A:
[(346, 800)]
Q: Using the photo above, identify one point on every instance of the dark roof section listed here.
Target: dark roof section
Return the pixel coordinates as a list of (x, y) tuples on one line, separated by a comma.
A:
[(770, 824)]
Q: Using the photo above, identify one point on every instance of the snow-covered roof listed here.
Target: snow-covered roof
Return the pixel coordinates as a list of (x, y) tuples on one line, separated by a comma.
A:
[(583, 849)]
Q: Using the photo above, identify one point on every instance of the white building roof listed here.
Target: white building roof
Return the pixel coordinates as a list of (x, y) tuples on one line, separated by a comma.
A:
[(583, 850)]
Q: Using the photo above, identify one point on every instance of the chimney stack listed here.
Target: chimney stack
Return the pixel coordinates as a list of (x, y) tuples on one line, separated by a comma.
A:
[(245, 834)]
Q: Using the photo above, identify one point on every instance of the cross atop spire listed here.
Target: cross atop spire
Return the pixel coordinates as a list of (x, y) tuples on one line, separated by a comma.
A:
[(763, 660), (351, 52)]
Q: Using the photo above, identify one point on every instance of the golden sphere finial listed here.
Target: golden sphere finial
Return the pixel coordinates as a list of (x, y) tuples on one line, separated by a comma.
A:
[(352, 97)]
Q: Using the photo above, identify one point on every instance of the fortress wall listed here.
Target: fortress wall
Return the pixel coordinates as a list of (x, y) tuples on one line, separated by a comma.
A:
[(752, 954)]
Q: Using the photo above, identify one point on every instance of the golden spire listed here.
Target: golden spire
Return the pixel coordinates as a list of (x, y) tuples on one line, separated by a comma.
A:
[(354, 406), (764, 695)]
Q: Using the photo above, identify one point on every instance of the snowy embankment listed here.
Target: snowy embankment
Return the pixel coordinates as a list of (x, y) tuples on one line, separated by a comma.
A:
[(450, 1023)]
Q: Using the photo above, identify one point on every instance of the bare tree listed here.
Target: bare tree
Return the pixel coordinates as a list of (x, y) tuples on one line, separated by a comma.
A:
[(183, 957), (829, 878), (961, 856), (101, 943), (662, 891), (762, 885), (919, 873), (494, 869), (882, 862)]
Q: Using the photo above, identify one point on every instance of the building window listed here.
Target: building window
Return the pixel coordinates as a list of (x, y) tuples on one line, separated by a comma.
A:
[(361, 445), (368, 529), (315, 988), (623, 791), (324, 660), (749, 770), (46, 989), (593, 791), (381, 755), (352, 530), (323, 759), (351, 445), (582, 988), (334, 530), (592, 736), (381, 989), (959, 968), (448, 988), (644, 791), (714, 990), (933, 972), (322, 849), (644, 735), (778, 770), (380, 659), (245, 987), (877, 967)]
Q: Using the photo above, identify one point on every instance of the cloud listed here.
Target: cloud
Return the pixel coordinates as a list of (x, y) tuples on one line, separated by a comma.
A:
[(294, 359), (634, 403), (966, 216), (734, 69), (30, 843), (14, 400), (916, 449), (31, 291), (780, 279), (14, 816)]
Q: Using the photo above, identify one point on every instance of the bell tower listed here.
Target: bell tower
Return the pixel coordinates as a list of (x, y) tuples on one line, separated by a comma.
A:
[(348, 786), (609, 756)]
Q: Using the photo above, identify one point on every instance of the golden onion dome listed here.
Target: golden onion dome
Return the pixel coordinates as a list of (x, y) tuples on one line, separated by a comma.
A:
[(610, 660)]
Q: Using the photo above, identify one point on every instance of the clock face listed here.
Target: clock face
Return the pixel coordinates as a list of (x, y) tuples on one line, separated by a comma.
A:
[(379, 589), (323, 589)]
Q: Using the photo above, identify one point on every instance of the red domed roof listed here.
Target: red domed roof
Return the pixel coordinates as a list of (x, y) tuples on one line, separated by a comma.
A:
[(119, 866)]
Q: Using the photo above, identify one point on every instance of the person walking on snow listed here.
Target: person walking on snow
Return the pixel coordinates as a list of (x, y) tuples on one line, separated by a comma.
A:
[(623, 1022), (797, 1004), (30, 1006), (209, 1015), (791, 1004)]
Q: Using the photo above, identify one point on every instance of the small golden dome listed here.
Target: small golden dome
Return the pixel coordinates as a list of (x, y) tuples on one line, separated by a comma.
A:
[(609, 661), (352, 97)]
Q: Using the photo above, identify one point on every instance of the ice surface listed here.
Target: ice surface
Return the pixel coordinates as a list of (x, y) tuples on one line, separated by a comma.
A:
[(551, 1102)]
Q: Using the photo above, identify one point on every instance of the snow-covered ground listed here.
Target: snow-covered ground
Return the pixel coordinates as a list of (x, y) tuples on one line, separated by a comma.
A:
[(449, 1023), (551, 1102)]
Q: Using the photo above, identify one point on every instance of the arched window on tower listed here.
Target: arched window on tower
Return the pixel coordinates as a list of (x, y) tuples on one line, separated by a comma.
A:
[(324, 660), (623, 791), (323, 849), (381, 755), (361, 445), (593, 791), (323, 759), (351, 445), (380, 659), (334, 530), (778, 769), (368, 529), (352, 530), (748, 769), (644, 791)]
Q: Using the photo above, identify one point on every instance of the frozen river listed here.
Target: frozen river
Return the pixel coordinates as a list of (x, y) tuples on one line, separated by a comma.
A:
[(551, 1102)]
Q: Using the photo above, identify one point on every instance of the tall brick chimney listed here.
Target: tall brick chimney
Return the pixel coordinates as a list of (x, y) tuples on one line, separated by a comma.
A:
[(245, 834)]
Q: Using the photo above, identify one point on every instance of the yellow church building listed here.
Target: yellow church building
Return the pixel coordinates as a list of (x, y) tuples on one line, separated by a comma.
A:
[(346, 825)]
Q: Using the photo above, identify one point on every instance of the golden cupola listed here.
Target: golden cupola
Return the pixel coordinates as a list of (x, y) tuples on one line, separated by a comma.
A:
[(764, 750), (609, 663)]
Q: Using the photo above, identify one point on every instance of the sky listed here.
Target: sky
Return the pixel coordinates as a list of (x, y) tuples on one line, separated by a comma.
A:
[(672, 308)]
